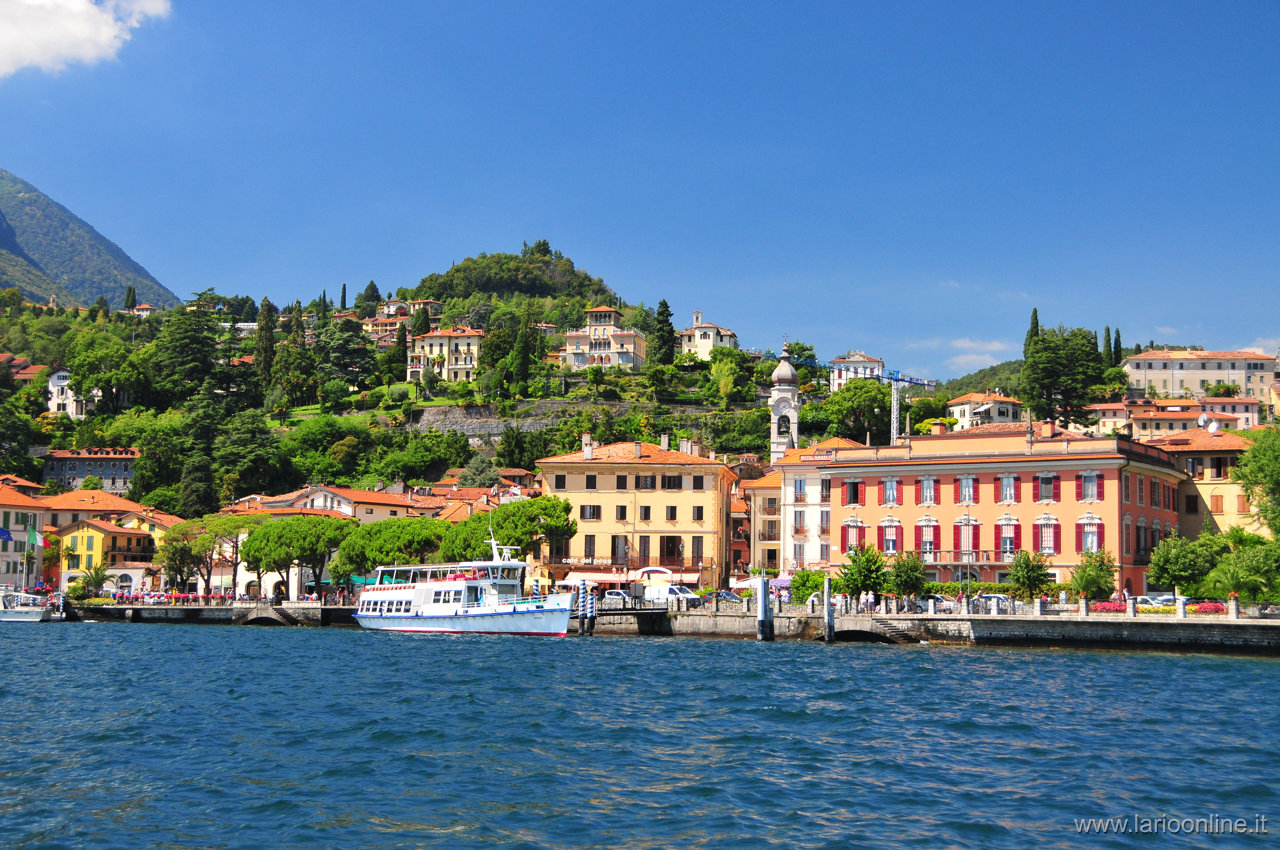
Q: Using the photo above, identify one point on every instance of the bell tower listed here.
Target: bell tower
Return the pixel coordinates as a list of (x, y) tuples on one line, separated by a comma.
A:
[(784, 425)]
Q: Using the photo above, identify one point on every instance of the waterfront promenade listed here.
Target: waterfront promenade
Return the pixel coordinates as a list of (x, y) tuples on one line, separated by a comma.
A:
[(1219, 632)]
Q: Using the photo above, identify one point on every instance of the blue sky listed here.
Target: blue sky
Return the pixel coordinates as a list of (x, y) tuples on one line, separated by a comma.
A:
[(905, 179)]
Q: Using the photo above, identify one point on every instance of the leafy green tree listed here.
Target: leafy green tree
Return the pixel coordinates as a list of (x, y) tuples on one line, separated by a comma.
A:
[(367, 301), (525, 524), (907, 577), (91, 482), (1060, 369), (864, 571), (479, 472), (1117, 350), (294, 368), (348, 355), (184, 353), (1095, 577), (1242, 574), (1258, 472), (196, 493), (400, 540), (178, 562), (308, 541), (93, 578), (1181, 563), (1029, 573), (1108, 360), (264, 347), (211, 539), (333, 395), (395, 361), (1033, 332), (805, 583), (522, 449)]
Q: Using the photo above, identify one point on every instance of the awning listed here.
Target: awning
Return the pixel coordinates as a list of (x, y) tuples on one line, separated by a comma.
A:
[(982, 408), (595, 577)]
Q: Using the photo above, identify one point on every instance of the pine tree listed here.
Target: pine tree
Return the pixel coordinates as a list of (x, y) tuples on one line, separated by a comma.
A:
[(1032, 333), (1107, 357), (662, 348), (265, 345), (343, 303), (130, 298), (1117, 350)]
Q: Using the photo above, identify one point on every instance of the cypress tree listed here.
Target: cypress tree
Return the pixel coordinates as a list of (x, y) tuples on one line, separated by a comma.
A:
[(1108, 359), (343, 304), (265, 345), (662, 348), (1032, 333), (1117, 350)]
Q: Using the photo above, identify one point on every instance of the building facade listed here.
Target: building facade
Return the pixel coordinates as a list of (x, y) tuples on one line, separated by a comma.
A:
[(1191, 373), (701, 337), (966, 503), (70, 467), (1208, 500), (604, 342), (973, 409), (853, 366), (452, 353), (21, 546), (639, 506)]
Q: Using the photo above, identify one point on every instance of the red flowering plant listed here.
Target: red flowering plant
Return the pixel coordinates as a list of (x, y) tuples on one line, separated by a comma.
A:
[(1207, 608)]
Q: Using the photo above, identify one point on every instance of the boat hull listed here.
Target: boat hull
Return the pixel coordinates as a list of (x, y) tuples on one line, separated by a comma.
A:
[(505, 620), (26, 615)]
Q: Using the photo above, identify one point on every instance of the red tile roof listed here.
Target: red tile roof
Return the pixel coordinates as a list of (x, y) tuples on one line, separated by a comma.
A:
[(12, 498), (1201, 440), (978, 398), (1167, 354), (91, 500), (626, 453)]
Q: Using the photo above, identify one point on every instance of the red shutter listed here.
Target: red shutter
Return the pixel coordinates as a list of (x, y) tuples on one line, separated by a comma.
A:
[(1017, 488), (883, 487), (975, 539), (919, 537), (1079, 487), (976, 490), (1079, 537), (880, 537), (1101, 494), (862, 536), (1035, 488), (1017, 538), (1057, 540), (919, 487), (995, 489), (956, 537), (838, 484), (1057, 488), (1101, 543), (957, 489), (844, 538)]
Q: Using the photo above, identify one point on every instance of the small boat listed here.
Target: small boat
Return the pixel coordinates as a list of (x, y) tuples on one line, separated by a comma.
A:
[(18, 607), (479, 597)]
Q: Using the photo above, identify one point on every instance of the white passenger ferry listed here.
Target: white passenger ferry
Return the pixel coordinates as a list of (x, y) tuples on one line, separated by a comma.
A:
[(483, 597), (16, 607)]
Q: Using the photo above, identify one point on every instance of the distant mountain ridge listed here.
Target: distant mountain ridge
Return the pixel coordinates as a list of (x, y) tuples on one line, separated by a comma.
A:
[(57, 253)]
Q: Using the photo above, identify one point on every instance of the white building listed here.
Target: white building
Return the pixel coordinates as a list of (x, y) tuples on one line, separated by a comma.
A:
[(63, 399), (604, 342), (1191, 373), (853, 366), (973, 409), (704, 336)]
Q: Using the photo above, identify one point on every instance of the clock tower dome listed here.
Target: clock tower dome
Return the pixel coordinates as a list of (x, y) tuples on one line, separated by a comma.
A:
[(784, 425)]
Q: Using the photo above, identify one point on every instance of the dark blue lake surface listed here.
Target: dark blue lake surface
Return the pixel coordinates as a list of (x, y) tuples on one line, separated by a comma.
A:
[(134, 735)]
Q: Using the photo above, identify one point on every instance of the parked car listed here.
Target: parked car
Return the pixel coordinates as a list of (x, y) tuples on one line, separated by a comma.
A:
[(615, 599), (1147, 601), (816, 598), (942, 604), (669, 593), (723, 596)]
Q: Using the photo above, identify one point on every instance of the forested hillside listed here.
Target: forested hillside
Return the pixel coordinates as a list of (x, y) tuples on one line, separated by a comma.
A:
[(70, 252)]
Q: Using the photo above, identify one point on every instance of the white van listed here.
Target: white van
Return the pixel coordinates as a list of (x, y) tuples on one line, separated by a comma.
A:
[(669, 593)]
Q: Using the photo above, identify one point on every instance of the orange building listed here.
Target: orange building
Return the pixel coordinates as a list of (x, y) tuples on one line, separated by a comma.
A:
[(968, 501)]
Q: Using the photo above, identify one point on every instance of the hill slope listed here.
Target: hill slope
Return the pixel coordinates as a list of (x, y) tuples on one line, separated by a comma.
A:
[(1003, 375), (74, 256), (17, 269)]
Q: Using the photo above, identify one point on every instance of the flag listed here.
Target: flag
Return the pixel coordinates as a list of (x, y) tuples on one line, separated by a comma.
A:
[(4, 534), (35, 538)]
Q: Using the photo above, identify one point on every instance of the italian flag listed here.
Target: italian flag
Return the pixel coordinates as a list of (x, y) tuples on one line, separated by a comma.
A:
[(35, 538)]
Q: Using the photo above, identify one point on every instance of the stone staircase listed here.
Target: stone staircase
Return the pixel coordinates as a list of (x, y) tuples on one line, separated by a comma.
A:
[(893, 631), (284, 614)]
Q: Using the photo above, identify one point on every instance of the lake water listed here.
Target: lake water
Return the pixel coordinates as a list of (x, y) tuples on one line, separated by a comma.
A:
[(133, 735)]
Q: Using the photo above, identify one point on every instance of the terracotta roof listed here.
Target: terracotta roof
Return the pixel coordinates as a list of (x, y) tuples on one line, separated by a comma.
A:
[(737, 506), (363, 497), (15, 481), (13, 498), (969, 398), (772, 481), (1166, 354), (248, 509), (1201, 440), (94, 453), (793, 456), (857, 357), (160, 518), (444, 332), (91, 500), (1164, 415), (106, 528), (994, 428), (458, 511), (626, 453), (601, 310)]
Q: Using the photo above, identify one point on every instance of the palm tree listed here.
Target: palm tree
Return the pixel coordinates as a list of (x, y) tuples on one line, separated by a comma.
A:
[(1229, 577), (93, 578)]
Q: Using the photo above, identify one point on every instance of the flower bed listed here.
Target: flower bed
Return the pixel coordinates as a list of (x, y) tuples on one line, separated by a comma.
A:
[(1157, 609), (1108, 607), (1207, 608)]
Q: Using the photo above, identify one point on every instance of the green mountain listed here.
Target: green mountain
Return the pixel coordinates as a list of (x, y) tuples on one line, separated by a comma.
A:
[(72, 256), (1004, 375)]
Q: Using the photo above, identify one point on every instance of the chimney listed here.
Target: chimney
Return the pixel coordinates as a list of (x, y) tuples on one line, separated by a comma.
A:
[(713, 454), (587, 446), (695, 449), (938, 428), (666, 441), (684, 446), (1047, 429), (638, 444)]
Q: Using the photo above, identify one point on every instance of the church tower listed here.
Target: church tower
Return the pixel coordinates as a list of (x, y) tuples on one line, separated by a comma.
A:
[(784, 413)]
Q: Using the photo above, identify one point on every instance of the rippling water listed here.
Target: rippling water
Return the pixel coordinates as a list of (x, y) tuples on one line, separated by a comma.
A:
[(131, 735)]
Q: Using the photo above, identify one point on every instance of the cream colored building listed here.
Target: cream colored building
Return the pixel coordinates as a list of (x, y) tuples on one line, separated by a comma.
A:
[(699, 339), (804, 506), (452, 353), (639, 506), (973, 409), (853, 366), (1191, 373), (604, 342), (1210, 499)]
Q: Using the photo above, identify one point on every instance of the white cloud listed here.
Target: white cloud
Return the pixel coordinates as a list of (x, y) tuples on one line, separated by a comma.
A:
[(966, 344), (1264, 345), (933, 342), (1166, 330), (971, 362), (51, 34)]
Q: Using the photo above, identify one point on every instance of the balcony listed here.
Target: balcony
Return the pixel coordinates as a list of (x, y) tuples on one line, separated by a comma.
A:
[(799, 530), (768, 536), (769, 510), (800, 498)]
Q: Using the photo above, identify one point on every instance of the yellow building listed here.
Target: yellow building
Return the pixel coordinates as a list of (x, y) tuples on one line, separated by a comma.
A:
[(1210, 499), (86, 543), (452, 353), (641, 507)]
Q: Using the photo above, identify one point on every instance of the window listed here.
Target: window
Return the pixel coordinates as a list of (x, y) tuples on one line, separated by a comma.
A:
[(1046, 487), (588, 545), (589, 511), (645, 482), (1089, 536), (1191, 505), (889, 492), (853, 492), (591, 482), (964, 490), (798, 516), (889, 539), (698, 482), (1049, 537), (671, 513), (1089, 486), (697, 513), (799, 489), (1009, 488), (1242, 504), (672, 482), (926, 541), (1008, 541), (1215, 507), (797, 553), (621, 483), (644, 513), (1141, 497), (620, 513), (824, 522), (926, 489), (1124, 487), (824, 490), (824, 552), (559, 483)]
